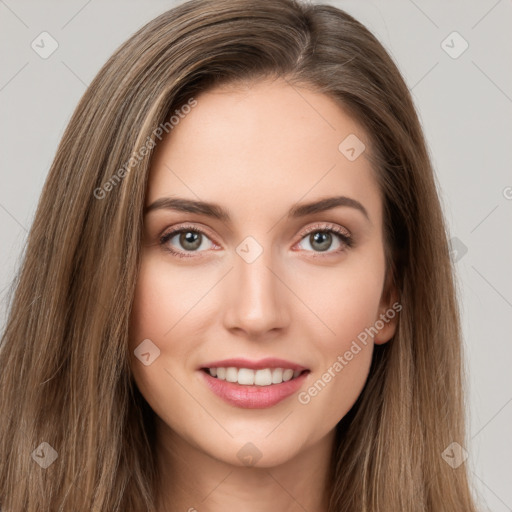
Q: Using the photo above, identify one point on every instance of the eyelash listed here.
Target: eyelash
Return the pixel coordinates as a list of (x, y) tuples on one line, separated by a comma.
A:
[(345, 239)]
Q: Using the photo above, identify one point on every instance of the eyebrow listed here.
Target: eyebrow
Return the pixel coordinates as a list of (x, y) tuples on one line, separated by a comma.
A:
[(218, 212)]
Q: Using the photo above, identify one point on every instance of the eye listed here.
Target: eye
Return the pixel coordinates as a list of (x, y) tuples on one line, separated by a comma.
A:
[(321, 237), (194, 240), (190, 238)]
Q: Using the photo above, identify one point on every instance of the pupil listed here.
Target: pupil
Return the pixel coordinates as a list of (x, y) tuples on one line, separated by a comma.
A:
[(323, 238), (191, 238)]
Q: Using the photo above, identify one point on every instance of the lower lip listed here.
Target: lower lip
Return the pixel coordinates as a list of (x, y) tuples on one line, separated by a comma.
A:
[(253, 397)]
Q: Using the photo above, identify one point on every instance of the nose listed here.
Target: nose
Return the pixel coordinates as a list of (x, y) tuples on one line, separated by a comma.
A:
[(256, 299)]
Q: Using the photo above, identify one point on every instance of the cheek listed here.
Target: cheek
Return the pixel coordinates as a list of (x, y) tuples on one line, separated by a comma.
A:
[(346, 308), (164, 296), (344, 360), (344, 300), (164, 303)]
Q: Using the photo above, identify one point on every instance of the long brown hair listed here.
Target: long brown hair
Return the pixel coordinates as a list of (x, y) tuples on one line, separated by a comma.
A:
[(65, 377)]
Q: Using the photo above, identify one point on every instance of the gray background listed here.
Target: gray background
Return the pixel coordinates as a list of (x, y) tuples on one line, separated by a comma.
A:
[(465, 106)]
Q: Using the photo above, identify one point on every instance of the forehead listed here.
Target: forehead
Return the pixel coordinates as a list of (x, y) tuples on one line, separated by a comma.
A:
[(258, 146)]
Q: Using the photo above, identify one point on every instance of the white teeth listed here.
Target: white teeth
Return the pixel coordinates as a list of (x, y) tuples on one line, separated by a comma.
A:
[(248, 377), (277, 375), (287, 374), (263, 377), (231, 374)]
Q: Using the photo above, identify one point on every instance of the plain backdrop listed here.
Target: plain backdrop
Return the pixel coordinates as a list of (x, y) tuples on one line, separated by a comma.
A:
[(464, 99)]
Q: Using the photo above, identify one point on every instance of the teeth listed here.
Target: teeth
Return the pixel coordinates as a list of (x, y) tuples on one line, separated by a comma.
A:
[(263, 377), (287, 374), (277, 375), (248, 377), (231, 374)]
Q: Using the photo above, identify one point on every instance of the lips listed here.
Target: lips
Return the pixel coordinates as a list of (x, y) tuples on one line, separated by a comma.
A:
[(269, 362), (253, 397), (253, 384)]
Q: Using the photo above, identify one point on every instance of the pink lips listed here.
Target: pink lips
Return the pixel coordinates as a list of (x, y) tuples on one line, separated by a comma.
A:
[(268, 362), (253, 397)]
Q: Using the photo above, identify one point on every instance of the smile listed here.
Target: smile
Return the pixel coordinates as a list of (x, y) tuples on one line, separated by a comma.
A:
[(249, 377), (253, 396)]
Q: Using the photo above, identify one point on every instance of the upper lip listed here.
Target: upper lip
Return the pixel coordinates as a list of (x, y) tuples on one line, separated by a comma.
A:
[(268, 362)]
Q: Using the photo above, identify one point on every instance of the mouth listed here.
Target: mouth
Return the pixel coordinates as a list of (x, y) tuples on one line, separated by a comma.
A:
[(254, 385), (250, 377)]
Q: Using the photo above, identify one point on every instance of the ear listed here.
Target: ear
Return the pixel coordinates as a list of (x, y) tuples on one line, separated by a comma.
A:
[(387, 319)]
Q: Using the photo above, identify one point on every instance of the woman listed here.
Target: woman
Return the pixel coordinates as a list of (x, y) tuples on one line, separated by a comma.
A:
[(237, 289)]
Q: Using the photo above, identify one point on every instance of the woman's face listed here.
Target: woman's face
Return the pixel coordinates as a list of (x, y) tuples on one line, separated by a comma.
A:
[(266, 286)]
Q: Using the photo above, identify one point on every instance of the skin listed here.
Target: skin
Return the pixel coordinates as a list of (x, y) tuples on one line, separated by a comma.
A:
[(256, 150)]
